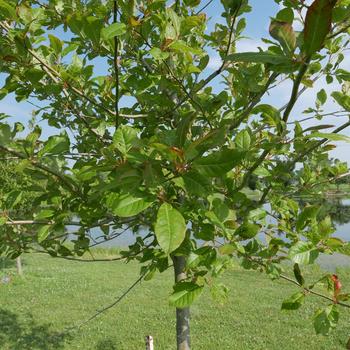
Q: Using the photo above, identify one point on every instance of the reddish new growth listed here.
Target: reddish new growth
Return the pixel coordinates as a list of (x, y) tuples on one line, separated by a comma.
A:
[(337, 287)]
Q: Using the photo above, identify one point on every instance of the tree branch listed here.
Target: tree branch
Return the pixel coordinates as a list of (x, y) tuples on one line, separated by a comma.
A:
[(302, 155), (40, 166), (116, 65), (295, 91), (310, 291)]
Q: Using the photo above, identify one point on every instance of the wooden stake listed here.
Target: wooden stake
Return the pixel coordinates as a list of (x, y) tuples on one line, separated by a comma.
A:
[(149, 342)]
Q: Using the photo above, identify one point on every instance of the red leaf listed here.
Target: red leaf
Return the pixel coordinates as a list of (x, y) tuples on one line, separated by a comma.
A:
[(317, 25)]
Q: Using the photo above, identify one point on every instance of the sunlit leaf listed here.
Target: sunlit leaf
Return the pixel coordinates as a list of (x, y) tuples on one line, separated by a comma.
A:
[(170, 228)]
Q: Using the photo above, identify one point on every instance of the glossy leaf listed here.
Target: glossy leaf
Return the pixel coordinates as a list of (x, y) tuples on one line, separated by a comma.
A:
[(243, 140), (56, 145), (303, 253), (125, 138), (218, 163), (126, 205), (115, 29), (185, 293), (326, 319), (329, 136), (43, 233), (170, 228), (196, 183), (259, 57), (293, 302)]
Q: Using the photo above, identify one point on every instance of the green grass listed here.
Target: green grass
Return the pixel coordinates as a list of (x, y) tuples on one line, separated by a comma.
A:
[(55, 294)]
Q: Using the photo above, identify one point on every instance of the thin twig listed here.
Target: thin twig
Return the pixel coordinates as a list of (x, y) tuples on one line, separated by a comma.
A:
[(204, 7), (310, 291), (118, 300)]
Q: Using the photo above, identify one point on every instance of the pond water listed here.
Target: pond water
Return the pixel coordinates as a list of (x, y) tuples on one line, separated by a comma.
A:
[(339, 210)]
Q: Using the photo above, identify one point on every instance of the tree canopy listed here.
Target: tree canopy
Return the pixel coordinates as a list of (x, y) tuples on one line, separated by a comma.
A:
[(142, 139)]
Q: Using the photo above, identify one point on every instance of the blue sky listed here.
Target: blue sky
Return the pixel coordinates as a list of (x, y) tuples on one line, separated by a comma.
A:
[(257, 27)]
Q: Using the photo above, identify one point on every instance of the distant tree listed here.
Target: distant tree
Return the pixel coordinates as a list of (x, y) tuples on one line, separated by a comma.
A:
[(15, 201), (192, 165)]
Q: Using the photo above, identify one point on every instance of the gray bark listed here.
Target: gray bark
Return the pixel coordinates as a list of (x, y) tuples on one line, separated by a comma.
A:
[(19, 266), (182, 315)]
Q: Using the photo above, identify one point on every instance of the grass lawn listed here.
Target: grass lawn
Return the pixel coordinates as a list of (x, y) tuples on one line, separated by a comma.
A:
[(55, 294)]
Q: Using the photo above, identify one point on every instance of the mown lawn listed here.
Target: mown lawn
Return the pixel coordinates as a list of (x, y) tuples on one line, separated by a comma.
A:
[(55, 294)]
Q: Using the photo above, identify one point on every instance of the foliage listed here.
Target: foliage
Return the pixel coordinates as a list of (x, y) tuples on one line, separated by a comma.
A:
[(155, 146)]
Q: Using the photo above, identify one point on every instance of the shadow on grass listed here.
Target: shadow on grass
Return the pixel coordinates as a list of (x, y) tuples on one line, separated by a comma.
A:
[(27, 334), (106, 344), (6, 263)]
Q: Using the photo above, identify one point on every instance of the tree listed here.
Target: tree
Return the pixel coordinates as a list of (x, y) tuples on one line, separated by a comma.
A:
[(16, 200), (153, 145)]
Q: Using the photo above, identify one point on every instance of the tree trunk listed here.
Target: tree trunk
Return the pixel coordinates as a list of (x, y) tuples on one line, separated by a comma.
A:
[(19, 266), (182, 315)]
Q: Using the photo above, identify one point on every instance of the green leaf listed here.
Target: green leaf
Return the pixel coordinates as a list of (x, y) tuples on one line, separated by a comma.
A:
[(55, 43), (317, 25), (125, 138), (13, 198), (228, 249), (321, 97), (34, 75), (210, 140), (329, 136), (7, 11), (196, 183), (309, 213), (342, 99), (283, 32), (158, 54), (184, 294), (43, 233), (326, 319), (182, 47), (126, 205), (259, 57), (243, 140), (297, 273), (285, 15), (56, 145), (293, 302), (303, 253), (44, 214), (270, 114), (170, 228), (115, 29), (325, 228), (334, 243), (247, 230), (5, 134), (218, 163), (183, 129)]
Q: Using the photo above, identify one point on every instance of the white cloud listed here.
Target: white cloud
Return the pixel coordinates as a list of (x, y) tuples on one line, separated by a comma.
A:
[(250, 45), (214, 62)]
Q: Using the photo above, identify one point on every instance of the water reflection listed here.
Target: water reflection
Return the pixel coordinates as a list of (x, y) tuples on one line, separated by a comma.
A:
[(339, 211), (337, 208)]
